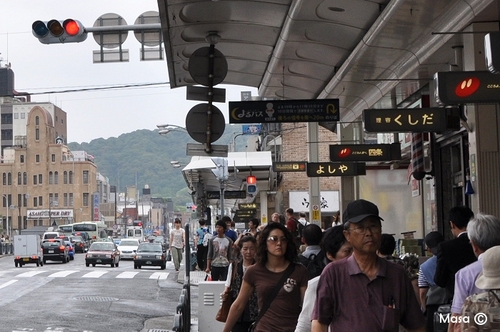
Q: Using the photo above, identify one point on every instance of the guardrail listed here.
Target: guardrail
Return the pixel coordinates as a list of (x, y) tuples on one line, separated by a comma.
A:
[(182, 317), (6, 248)]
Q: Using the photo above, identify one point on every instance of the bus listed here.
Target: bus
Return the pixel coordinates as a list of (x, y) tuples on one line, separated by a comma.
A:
[(95, 229), (66, 229)]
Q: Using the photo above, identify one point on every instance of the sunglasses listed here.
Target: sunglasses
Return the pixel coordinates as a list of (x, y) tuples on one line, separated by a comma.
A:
[(275, 239)]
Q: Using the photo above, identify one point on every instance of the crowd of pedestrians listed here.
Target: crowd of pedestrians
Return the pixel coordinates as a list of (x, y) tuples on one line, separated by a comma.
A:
[(291, 275)]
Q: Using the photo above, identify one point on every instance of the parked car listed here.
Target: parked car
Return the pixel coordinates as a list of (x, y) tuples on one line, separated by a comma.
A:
[(79, 243), (102, 253), (150, 254), (128, 248), (55, 250)]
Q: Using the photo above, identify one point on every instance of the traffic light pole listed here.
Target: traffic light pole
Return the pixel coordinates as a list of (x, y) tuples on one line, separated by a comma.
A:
[(115, 28)]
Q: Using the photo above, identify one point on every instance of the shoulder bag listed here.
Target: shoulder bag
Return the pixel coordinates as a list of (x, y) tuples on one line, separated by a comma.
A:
[(289, 270), (226, 305)]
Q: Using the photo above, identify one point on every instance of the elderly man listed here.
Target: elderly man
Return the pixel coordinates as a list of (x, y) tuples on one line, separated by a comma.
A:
[(365, 292), (484, 233)]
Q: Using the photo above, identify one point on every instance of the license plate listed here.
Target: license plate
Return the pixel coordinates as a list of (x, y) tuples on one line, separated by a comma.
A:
[(26, 259), (149, 262), (51, 251), (98, 261)]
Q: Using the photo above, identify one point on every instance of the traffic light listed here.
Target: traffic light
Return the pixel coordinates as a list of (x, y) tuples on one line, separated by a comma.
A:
[(251, 185), (57, 32)]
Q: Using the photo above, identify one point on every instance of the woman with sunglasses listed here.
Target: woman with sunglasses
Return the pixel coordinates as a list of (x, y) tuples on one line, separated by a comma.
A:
[(276, 251)]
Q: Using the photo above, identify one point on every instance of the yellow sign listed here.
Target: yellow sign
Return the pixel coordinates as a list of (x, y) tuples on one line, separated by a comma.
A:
[(316, 215)]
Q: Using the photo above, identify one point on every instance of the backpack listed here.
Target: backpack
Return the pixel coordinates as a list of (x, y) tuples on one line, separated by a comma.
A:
[(300, 228), (207, 237), (314, 264)]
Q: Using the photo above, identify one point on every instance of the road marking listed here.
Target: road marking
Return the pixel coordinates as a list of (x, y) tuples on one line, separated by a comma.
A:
[(61, 274), (159, 275), (8, 283), (94, 274), (29, 274), (126, 275)]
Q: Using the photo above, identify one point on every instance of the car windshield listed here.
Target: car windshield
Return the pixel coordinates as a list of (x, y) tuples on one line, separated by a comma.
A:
[(149, 248), (76, 239), (128, 243), (51, 244), (102, 247)]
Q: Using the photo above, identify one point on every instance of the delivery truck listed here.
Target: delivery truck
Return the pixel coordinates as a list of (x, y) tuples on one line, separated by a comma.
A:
[(27, 249)]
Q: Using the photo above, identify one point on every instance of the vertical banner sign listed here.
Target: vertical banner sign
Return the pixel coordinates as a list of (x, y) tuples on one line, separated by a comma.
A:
[(95, 207)]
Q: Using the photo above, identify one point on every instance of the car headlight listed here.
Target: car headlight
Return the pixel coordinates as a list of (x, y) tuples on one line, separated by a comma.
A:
[(159, 256), (138, 256), (108, 256)]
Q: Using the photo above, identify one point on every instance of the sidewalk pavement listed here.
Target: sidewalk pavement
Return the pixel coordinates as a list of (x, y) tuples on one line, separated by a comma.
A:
[(166, 323)]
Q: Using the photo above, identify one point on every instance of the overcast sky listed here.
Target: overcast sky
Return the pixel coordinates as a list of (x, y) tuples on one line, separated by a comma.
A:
[(92, 114)]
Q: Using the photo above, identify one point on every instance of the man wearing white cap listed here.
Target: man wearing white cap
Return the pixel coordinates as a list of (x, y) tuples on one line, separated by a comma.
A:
[(481, 312)]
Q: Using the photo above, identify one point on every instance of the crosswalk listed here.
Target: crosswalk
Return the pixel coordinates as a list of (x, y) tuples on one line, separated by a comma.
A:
[(16, 273)]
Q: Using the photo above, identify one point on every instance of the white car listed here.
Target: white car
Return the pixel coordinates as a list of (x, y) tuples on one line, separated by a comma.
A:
[(128, 248)]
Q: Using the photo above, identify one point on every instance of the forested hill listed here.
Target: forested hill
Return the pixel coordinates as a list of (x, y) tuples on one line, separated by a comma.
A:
[(143, 157)]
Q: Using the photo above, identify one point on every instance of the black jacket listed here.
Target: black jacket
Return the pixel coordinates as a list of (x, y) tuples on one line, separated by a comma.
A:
[(452, 255)]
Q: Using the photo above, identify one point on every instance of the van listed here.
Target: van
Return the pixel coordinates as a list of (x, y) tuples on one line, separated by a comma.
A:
[(51, 235)]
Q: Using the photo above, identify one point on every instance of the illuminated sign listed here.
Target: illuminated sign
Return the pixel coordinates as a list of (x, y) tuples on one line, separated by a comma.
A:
[(248, 206), (411, 120), (289, 166), (461, 87), (335, 169), (365, 152), (307, 110), (228, 194)]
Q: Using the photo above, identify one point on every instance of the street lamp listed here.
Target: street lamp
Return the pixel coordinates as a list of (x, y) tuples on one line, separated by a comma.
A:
[(7, 204), (166, 128)]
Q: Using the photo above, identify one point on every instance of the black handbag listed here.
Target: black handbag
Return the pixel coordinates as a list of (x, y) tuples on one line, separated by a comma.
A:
[(289, 270)]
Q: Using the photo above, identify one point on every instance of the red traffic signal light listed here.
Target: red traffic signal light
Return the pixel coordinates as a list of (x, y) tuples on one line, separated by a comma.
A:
[(251, 179), (251, 185), (57, 32)]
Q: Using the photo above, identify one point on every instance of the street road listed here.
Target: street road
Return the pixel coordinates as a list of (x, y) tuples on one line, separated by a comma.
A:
[(74, 298)]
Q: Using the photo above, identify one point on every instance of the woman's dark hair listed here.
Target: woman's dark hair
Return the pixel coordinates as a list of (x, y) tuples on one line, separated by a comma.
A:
[(245, 239), (333, 240), (291, 249), (255, 221)]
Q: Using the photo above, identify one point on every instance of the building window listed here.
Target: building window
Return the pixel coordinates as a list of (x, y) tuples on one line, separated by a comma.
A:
[(37, 134), (70, 177), (35, 201), (56, 200), (53, 158), (37, 120), (6, 201), (65, 177), (56, 177), (85, 199), (35, 178), (70, 199), (4, 177), (23, 115), (19, 200), (16, 115), (25, 200), (51, 200), (40, 200), (25, 178), (51, 178), (85, 177), (9, 178), (65, 199), (19, 178), (40, 178), (21, 158), (37, 158)]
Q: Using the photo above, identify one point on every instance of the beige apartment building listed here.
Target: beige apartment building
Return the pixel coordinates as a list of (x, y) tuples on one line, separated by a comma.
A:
[(43, 182)]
